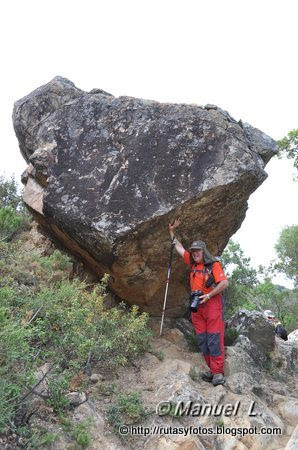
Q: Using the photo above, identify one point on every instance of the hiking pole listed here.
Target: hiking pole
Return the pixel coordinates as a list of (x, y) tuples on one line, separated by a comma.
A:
[(173, 242)]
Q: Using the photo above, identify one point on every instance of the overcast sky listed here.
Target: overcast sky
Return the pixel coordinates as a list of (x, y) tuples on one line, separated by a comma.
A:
[(239, 55)]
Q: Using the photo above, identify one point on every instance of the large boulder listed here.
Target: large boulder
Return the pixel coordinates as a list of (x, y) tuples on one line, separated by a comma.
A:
[(287, 356), (293, 441), (255, 327), (107, 174), (293, 336), (240, 358)]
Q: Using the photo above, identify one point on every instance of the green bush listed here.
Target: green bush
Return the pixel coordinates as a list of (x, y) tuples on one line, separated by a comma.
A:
[(230, 336), (40, 438), (79, 431), (12, 222), (57, 389), (76, 323), (128, 410), (9, 194), (194, 374), (45, 317), (13, 214), (255, 290)]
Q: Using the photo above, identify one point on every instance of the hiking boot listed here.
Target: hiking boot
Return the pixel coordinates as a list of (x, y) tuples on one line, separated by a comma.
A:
[(217, 379), (207, 376)]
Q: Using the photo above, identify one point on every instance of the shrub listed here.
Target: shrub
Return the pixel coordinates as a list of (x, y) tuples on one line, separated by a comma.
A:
[(46, 317), (230, 336), (9, 194), (40, 438), (128, 410), (194, 374), (79, 431), (58, 387), (13, 214), (12, 222)]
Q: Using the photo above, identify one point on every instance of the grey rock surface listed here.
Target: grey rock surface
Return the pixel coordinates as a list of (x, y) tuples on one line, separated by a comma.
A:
[(293, 336), (289, 411), (293, 441), (288, 353), (257, 329), (238, 359), (107, 174)]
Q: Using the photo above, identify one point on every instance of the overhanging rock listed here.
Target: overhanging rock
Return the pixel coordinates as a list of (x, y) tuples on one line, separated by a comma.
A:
[(107, 174)]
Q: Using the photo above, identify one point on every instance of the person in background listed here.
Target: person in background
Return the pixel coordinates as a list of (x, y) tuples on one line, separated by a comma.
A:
[(279, 329)]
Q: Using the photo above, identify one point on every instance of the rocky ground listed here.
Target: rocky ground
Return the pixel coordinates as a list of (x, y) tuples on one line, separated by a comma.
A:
[(259, 367), (272, 387)]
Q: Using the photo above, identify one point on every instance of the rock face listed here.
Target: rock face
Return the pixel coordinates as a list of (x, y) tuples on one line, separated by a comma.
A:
[(258, 347), (257, 335), (107, 174)]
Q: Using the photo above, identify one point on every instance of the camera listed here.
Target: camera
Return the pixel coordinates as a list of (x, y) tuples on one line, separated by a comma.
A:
[(195, 300)]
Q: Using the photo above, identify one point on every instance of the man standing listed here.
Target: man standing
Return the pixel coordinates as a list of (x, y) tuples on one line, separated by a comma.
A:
[(206, 275)]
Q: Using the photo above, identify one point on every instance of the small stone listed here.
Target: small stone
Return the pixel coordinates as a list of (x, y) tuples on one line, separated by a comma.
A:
[(76, 398), (96, 377), (176, 336)]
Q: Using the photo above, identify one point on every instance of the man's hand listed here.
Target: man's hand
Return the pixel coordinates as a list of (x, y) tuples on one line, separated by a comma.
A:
[(174, 225), (204, 298), (217, 290), (178, 246)]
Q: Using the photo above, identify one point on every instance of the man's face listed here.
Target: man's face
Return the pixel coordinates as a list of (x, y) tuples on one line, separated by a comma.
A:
[(197, 255)]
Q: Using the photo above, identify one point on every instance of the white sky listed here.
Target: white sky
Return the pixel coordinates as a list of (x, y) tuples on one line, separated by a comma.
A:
[(238, 54)]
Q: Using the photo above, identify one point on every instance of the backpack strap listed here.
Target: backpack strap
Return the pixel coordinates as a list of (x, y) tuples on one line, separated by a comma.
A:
[(211, 281), (207, 270), (194, 270)]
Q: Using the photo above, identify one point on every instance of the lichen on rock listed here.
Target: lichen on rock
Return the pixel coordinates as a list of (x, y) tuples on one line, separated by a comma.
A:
[(107, 174)]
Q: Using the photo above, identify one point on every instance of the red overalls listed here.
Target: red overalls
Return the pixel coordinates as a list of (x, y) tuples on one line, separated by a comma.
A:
[(208, 320)]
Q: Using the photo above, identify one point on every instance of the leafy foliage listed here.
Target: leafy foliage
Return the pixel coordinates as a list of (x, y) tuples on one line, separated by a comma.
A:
[(40, 439), (45, 317), (231, 335), (242, 278), (251, 289), (11, 222), (79, 431), (194, 374), (9, 194), (288, 145), (238, 265), (287, 250), (13, 214), (128, 410)]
